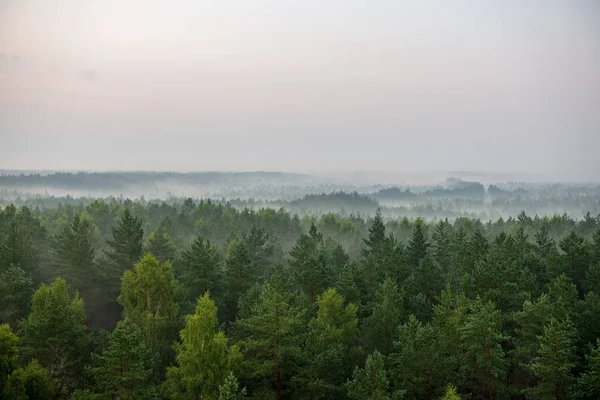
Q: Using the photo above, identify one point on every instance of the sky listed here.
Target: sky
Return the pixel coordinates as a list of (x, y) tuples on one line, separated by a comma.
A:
[(330, 85)]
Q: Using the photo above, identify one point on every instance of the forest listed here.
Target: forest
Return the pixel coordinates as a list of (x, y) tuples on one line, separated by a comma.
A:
[(203, 299)]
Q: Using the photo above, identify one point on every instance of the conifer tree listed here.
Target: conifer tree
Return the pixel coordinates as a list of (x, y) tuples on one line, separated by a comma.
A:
[(200, 269), (370, 382), (160, 245), (123, 369), (481, 340), (16, 289), (230, 390), (588, 385), (418, 245), (125, 246), (380, 329), (554, 361), (272, 336)]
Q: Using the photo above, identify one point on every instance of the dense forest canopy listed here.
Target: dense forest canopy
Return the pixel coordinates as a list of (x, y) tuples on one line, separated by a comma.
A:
[(337, 295)]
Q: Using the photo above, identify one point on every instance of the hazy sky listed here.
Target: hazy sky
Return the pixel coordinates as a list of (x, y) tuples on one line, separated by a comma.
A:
[(510, 85)]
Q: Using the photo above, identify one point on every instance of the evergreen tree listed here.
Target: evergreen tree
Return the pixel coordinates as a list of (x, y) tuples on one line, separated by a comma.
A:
[(310, 264), (148, 299), (54, 333), (125, 246), (329, 341), (375, 243), (272, 336), (370, 383), (230, 390), (16, 289), (380, 329), (18, 249), (554, 361), (589, 382), (123, 369), (204, 360), (575, 258), (200, 269), (160, 245), (418, 245), (486, 363), (240, 273), (544, 244), (416, 366), (426, 279), (442, 244)]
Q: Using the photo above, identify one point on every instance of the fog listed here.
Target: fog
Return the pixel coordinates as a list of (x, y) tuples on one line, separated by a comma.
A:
[(322, 87)]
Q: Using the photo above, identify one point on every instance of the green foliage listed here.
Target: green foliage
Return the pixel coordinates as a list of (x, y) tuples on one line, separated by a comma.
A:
[(371, 382), (55, 335), (74, 253), (450, 393), (589, 381), (204, 360), (230, 389), (148, 300), (481, 341), (31, 382), (125, 246), (380, 329), (160, 245), (418, 245), (272, 336), (200, 269), (123, 369), (8, 353), (554, 361), (16, 289)]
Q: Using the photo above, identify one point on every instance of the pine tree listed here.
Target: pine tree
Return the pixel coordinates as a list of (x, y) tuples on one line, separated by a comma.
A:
[(160, 245), (310, 264), (148, 299), (200, 269), (16, 289), (481, 341), (575, 258), (204, 359), (230, 390), (376, 240), (380, 329), (329, 341), (17, 249), (123, 369), (125, 247), (418, 245), (554, 361), (370, 383), (54, 333), (240, 274), (442, 244), (74, 253), (451, 393), (589, 382), (544, 244), (416, 366), (272, 336)]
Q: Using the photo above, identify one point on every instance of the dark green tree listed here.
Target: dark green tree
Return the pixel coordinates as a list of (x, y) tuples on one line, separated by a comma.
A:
[(160, 245), (370, 383), (554, 361), (125, 246), (588, 385), (380, 329), (273, 331), (418, 245), (200, 269), (31, 382), (55, 334), (16, 289), (123, 369)]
